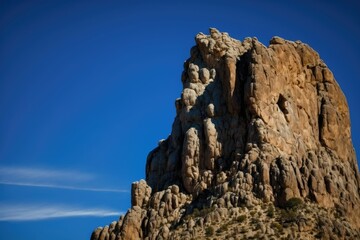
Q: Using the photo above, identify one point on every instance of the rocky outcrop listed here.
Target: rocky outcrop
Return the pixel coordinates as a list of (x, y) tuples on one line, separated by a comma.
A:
[(254, 125)]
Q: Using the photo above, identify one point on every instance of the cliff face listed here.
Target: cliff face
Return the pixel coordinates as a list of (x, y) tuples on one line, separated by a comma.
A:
[(256, 126)]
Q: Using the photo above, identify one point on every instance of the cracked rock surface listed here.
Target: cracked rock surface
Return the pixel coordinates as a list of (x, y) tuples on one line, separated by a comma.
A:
[(255, 125)]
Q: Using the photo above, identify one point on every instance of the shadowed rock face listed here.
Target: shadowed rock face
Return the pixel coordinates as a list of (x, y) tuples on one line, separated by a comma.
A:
[(254, 124)]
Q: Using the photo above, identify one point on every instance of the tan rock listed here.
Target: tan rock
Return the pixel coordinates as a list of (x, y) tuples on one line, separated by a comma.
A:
[(254, 124), (140, 193)]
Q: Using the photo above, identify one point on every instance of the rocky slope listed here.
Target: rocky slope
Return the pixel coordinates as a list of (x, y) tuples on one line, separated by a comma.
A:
[(260, 148)]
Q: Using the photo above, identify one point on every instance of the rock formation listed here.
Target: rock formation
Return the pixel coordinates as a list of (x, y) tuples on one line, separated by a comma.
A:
[(260, 148)]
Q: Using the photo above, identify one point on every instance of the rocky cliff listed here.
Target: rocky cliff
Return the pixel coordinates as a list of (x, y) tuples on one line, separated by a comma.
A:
[(260, 148)]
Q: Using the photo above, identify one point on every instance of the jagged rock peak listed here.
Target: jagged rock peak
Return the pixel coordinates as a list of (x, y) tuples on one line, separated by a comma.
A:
[(254, 125)]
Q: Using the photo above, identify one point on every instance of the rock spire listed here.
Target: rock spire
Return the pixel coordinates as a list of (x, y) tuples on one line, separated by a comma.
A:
[(257, 128)]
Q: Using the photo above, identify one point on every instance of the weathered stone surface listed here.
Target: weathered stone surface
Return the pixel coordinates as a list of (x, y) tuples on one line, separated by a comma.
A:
[(254, 124), (140, 194)]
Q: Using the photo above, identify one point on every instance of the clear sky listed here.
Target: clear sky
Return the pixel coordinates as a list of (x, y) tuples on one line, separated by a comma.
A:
[(87, 89)]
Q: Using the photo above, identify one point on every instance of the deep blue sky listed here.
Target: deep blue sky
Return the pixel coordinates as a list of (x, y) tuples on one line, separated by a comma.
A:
[(87, 89)]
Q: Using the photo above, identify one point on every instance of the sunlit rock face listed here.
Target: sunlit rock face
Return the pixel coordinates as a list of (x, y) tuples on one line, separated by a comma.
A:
[(254, 125)]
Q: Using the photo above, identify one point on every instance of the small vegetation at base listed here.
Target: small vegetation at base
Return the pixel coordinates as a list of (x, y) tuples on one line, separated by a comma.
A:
[(293, 203), (209, 231), (289, 216), (255, 220), (271, 211), (276, 226), (241, 218)]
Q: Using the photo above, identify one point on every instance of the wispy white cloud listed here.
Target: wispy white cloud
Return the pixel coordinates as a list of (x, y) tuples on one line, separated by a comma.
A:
[(38, 212), (64, 187), (41, 174), (49, 178)]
